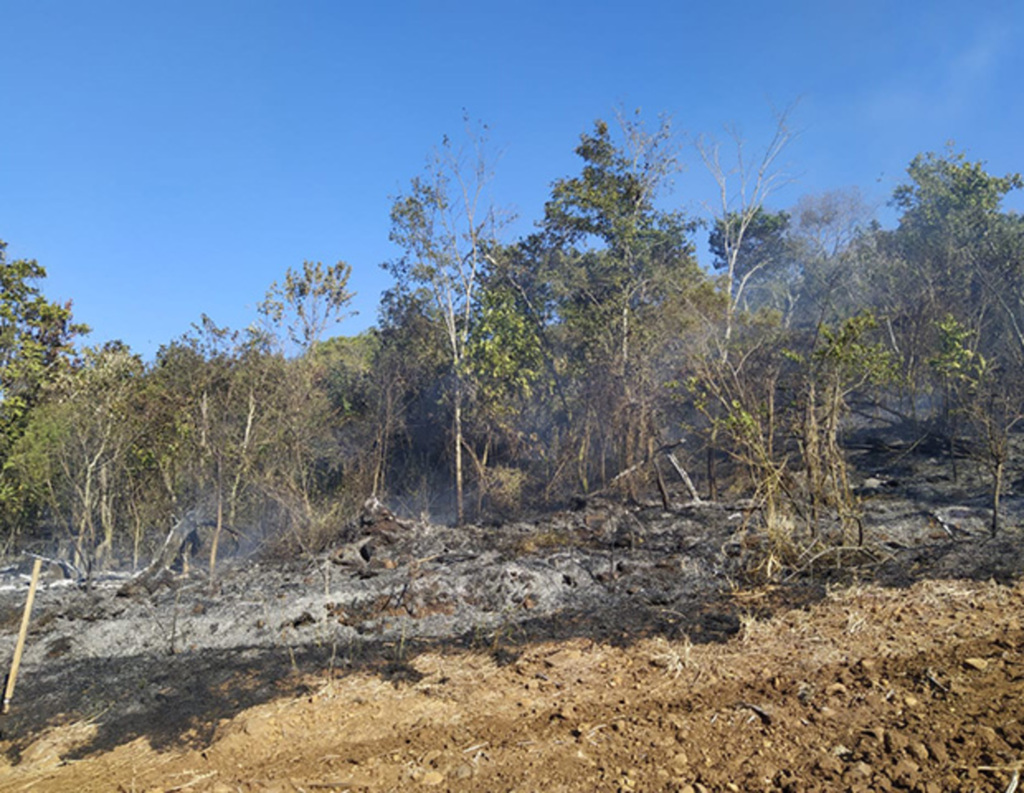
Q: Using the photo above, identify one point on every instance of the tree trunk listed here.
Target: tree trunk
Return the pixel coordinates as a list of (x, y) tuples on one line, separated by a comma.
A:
[(459, 505), (712, 479), (997, 489), (215, 541)]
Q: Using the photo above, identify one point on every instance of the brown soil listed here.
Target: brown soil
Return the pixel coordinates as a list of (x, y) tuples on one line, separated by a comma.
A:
[(868, 689)]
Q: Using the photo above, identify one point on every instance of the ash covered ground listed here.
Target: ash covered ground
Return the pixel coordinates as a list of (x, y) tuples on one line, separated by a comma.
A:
[(171, 662)]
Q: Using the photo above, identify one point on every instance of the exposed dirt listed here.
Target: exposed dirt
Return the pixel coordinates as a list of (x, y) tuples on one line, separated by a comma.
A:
[(602, 649), (869, 689)]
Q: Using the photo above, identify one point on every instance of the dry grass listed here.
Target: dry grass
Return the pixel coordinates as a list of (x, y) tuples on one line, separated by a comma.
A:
[(674, 657)]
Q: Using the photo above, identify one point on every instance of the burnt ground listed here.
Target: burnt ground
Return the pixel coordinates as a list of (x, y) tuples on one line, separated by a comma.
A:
[(607, 648)]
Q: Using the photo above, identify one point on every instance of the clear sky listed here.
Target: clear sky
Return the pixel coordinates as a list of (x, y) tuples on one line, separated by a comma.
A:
[(167, 159)]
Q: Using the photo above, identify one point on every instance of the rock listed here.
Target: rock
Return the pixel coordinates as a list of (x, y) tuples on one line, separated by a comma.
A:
[(895, 742), (876, 732), (976, 663), (906, 772), (835, 689), (860, 770), (988, 736), (937, 749), (432, 778)]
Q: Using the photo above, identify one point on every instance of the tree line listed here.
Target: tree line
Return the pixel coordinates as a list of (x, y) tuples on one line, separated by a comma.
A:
[(594, 354)]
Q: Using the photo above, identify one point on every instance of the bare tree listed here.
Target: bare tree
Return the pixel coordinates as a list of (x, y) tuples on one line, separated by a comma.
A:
[(744, 184), (444, 224)]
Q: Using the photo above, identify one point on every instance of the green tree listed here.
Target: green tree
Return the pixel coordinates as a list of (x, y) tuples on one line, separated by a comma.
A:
[(36, 344), (506, 367), (763, 254), (409, 370), (984, 399), (621, 271), (79, 442), (952, 253), (829, 242)]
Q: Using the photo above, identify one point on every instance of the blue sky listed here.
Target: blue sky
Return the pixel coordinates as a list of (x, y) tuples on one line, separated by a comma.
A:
[(167, 159)]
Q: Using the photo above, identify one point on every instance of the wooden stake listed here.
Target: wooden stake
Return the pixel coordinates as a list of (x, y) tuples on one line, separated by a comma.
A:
[(19, 648)]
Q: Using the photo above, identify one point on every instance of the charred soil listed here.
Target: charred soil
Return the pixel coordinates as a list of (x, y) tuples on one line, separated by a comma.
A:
[(608, 648)]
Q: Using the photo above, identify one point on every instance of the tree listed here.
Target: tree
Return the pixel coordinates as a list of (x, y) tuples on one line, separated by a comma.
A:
[(444, 226), (843, 360), (743, 188), (79, 443), (952, 253), (506, 364), (985, 398), (826, 240), (408, 374), (763, 254), (802, 263), (36, 343), (613, 201), (309, 302), (620, 270)]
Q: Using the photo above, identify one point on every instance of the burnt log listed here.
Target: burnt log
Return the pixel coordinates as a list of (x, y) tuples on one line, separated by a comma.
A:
[(373, 528), (182, 542)]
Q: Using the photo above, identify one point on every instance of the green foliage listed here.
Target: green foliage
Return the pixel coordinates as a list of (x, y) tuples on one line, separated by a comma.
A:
[(850, 358), (76, 456), (36, 338), (951, 211), (505, 356), (763, 240), (36, 348), (950, 193), (346, 363), (613, 201), (621, 279), (552, 364), (309, 302), (955, 360)]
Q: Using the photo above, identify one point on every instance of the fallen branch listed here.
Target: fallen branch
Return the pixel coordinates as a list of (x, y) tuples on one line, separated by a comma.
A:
[(684, 476), (69, 570), (668, 450)]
